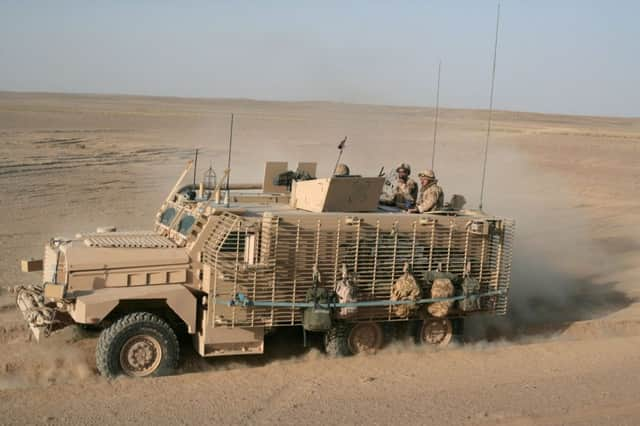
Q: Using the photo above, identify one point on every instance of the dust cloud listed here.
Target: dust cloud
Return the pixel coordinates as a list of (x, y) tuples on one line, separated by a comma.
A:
[(55, 361), (559, 274)]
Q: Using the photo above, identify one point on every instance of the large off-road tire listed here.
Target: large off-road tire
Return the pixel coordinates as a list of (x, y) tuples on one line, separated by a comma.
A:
[(352, 339), (435, 332), (335, 341), (138, 345), (365, 337)]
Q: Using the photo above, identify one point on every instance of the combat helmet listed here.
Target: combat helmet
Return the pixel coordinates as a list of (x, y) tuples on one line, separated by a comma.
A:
[(428, 173), (404, 166), (342, 170)]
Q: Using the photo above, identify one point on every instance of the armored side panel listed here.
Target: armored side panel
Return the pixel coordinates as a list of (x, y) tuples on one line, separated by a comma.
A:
[(337, 194), (271, 171), (307, 167), (374, 247), (213, 339)]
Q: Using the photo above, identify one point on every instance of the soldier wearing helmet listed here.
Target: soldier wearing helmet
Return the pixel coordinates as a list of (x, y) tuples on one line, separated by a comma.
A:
[(405, 190), (342, 170), (431, 196)]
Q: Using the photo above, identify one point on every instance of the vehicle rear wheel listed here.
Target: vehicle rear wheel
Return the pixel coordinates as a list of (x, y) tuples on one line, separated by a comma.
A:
[(351, 339), (138, 345), (435, 331), (365, 337)]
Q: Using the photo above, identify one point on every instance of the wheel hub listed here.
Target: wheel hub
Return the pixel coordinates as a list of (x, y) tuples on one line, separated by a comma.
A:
[(365, 337), (140, 355), (436, 331)]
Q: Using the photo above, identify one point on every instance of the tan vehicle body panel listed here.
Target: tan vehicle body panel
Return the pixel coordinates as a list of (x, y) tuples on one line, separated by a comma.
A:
[(94, 307), (343, 194), (94, 268), (83, 258)]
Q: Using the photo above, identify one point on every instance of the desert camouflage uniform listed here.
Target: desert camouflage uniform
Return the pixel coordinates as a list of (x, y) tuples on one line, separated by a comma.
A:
[(405, 193), (405, 288), (431, 198)]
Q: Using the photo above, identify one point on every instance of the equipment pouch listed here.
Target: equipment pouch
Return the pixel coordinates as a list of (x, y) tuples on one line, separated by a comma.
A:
[(317, 317), (470, 289)]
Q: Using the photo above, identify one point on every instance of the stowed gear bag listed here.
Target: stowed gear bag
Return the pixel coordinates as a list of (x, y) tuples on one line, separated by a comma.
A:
[(347, 292), (442, 285), (405, 288), (441, 288), (469, 288), (318, 316)]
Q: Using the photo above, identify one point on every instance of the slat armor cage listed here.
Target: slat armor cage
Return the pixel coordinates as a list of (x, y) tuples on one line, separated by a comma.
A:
[(272, 259)]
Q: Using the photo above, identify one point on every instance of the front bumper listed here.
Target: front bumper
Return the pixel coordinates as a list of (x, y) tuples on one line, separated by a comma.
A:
[(41, 316)]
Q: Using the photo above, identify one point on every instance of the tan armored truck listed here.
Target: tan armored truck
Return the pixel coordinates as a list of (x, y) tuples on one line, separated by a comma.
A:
[(228, 267)]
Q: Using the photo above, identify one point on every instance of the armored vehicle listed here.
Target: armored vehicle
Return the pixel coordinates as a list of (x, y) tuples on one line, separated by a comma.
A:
[(229, 266)]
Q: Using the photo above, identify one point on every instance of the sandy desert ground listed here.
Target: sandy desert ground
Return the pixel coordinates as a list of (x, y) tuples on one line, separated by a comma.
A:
[(567, 352)]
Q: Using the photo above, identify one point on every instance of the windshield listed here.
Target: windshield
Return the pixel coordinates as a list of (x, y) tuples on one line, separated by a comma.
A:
[(185, 224), (167, 216)]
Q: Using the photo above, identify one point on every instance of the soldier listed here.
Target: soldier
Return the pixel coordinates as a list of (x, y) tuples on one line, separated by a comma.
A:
[(431, 196), (405, 190)]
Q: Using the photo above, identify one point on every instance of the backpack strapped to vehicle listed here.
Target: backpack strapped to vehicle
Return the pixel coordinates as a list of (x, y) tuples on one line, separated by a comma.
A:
[(318, 316)]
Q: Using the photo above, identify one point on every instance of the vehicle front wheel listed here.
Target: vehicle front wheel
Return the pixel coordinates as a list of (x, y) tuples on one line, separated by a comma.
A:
[(138, 345)]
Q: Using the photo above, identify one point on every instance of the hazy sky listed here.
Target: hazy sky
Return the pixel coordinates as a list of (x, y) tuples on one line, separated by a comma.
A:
[(577, 57)]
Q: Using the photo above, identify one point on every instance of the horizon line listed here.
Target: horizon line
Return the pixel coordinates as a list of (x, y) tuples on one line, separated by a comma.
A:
[(309, 101)]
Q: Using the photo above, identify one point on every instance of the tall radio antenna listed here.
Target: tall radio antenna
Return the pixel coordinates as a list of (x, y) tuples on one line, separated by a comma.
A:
[(435, 120), (227, 195), (195, 166), (493, 79), (341, 146)]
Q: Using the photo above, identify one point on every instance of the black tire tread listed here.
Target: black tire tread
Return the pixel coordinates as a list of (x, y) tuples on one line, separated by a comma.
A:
[(107, 356), (335, 341)]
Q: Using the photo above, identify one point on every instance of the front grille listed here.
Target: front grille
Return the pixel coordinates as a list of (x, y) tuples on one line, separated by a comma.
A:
[(128, 239)]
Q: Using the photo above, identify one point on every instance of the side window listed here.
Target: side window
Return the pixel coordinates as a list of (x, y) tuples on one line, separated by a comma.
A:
[(167, 216), (185, 224)]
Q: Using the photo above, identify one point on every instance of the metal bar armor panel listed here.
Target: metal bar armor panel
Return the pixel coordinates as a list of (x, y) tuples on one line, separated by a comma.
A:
[(373, 246)]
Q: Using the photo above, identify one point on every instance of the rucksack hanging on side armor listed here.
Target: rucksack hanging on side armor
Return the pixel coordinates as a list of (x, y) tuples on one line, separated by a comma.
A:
[(469, 288), (441, 288), (318, 316), (405, 288), (347, 292)]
